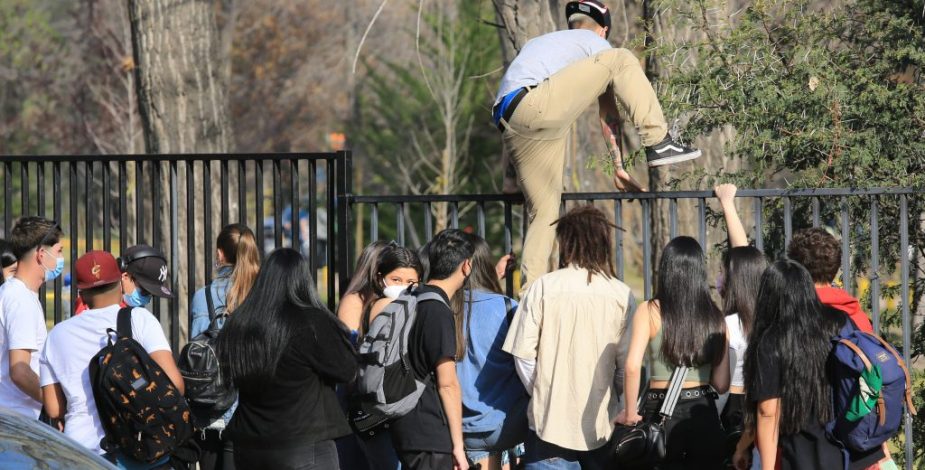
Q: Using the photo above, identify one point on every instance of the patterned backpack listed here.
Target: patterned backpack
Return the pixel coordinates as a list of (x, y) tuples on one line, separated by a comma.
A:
[(143, 413)]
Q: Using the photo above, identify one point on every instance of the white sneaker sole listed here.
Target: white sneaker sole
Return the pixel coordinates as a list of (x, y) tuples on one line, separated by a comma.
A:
[(675, 159)]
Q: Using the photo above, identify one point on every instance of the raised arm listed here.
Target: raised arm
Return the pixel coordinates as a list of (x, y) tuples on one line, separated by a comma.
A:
[(726, 194)]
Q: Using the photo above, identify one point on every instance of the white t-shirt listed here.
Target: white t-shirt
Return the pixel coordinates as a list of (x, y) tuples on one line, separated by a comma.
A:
[(738, 343), (543, 56), (22, 319), (66, 361)]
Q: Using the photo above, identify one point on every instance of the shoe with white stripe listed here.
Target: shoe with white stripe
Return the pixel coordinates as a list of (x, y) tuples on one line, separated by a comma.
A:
[(668, 152)]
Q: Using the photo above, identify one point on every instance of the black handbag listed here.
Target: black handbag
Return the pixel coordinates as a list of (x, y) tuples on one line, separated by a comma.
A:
[(645, 444)]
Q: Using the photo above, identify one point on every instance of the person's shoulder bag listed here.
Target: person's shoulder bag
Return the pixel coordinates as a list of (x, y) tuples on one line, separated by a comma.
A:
[(645, 444)]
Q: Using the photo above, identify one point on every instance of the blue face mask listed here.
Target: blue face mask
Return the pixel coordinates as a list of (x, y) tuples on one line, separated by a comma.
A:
[(136, 299), (52, 274)]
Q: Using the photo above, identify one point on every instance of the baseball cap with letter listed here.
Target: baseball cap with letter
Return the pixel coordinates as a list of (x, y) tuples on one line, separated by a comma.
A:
[(96, 268), (592, 8), (148, 266)]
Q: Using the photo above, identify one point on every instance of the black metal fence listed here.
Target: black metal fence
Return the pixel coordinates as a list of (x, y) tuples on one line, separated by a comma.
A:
[(178, 203)]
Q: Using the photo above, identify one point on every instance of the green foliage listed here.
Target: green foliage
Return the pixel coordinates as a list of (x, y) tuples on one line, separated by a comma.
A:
[(424, 124), (29, 45), (415, 115), (836, 95)]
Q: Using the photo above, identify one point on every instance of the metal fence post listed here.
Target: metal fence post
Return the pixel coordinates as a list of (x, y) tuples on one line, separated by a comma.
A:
[(344, 182)]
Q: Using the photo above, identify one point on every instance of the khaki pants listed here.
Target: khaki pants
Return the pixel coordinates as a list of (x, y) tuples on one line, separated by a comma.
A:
[(537, 132)]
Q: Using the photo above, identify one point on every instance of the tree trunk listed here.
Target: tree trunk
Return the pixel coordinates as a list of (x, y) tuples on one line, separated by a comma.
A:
[(522, 20), (182, 101), (181, 94)]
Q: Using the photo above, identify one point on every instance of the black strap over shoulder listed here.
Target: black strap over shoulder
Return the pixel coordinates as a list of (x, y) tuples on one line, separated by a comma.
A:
[(210, 304), (124, 322), (508, 309)]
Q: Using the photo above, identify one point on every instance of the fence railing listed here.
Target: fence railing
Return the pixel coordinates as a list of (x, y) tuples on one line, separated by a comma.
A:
[(178, 203)]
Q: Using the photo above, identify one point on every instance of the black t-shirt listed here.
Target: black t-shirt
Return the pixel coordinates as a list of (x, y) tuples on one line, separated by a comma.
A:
[(432, 338), (299, 405), (808, 449)]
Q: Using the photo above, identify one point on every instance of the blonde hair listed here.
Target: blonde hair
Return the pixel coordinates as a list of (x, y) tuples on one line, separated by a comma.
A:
[(239, 246)]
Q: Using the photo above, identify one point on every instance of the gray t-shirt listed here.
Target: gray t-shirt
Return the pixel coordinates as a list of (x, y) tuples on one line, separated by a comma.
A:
[(545, 55)]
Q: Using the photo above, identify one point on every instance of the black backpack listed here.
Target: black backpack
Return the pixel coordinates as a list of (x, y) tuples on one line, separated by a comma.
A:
[(143, 413), (207, 394)]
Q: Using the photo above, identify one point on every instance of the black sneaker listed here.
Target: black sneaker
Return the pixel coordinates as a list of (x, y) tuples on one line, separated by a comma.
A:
[(668, 151)]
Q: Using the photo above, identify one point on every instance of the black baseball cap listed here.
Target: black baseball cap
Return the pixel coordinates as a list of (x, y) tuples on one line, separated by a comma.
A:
[(149, 268), (592, 8)]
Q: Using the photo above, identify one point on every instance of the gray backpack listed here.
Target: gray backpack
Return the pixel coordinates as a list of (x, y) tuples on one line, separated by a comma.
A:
[(386, 386)]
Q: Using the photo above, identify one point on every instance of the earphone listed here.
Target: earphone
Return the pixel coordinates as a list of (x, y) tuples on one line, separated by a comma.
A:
[(144, 252)]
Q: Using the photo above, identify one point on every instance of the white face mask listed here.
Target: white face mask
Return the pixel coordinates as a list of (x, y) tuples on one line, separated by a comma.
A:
[(393, 292)]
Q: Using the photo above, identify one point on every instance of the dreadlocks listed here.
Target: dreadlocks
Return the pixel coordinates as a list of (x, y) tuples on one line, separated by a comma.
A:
[(585, 239)]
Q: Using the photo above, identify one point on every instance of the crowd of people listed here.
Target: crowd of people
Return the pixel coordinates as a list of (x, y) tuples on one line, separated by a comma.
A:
[(427, 363), (543, 381)]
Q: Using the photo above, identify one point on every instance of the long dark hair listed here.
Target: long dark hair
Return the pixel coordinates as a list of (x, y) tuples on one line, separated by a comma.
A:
[(693, 330), (483, 277), (790, 330), (364, 275), (252, 341), (745, 266)]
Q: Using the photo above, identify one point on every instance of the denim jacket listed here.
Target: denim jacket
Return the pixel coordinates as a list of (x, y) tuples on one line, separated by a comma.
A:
[(199, 311)]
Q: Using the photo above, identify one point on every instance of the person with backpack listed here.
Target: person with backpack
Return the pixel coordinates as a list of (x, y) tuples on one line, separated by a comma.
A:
[(70, 394), (145, 273), (409, 377), (681, 326), (566, 342), (284, 352), (37, 244), (820, 253), (238, 261), (384, 271), (788, 395), (494, 399), (399, 268)]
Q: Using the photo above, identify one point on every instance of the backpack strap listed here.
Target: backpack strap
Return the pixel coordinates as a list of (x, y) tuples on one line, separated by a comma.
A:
[(124, 323), (210, 304), (508, 309), (676, 383), (902, 365), (431, 296), (881, 405)]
